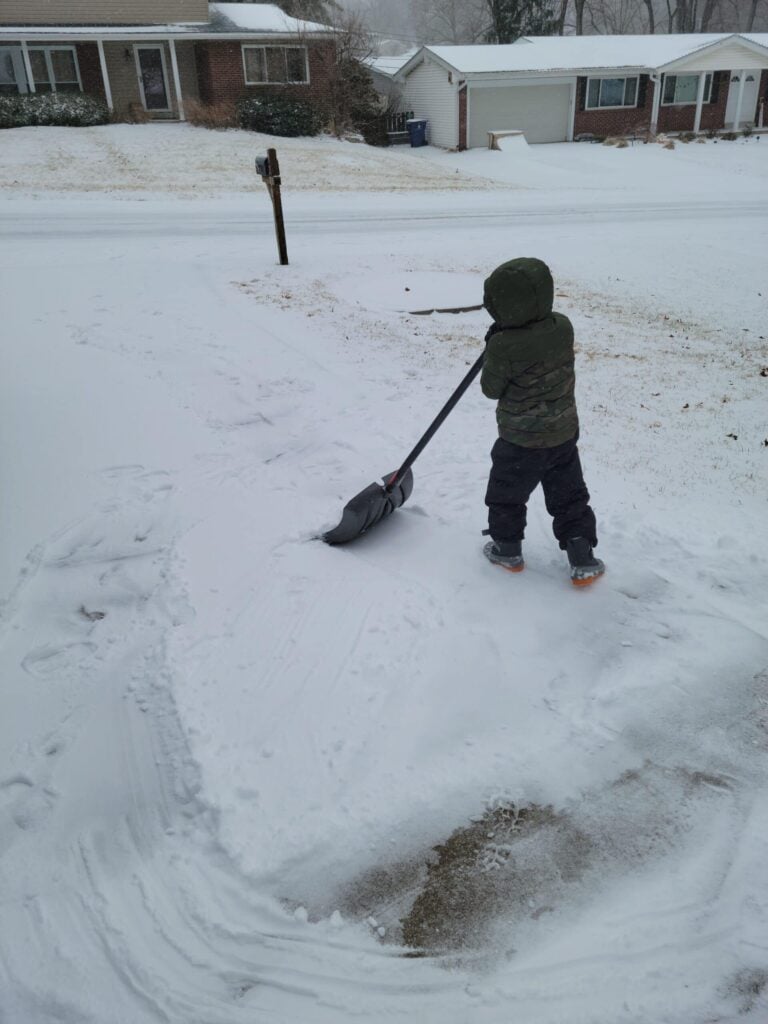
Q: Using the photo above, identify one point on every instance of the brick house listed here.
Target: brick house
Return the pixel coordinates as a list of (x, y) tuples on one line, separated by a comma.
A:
[(560, 88), (158, 55)]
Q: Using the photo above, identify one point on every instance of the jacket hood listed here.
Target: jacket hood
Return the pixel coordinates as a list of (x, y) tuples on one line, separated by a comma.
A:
[(519, 292)]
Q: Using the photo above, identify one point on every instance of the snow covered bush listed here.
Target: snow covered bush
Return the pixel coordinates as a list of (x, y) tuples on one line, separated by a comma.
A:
[(76, 110), (278, 115)]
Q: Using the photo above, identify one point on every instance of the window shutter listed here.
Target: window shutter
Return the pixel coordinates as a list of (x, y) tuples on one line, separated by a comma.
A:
[(582, 93), (715, 86), (642, 85)]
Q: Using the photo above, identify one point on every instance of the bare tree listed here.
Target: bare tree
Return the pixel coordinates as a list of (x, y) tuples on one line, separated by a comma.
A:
[(579, 8), (616, 17), (451, 21)]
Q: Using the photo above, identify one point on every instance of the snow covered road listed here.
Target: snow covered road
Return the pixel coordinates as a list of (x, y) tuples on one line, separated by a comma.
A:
[(227, 750), (95, 218)]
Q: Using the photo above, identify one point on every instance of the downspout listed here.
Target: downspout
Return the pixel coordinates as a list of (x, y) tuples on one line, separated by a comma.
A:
[(176, 79), (105, 74), (464, 91), (572, 113), (28, 66)]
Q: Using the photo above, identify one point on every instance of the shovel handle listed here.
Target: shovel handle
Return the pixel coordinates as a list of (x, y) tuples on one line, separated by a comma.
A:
[(436, 423)]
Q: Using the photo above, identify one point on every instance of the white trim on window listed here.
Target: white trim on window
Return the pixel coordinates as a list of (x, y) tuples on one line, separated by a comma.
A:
[(46, 52), (709, 79), (626, 79), (266, 80)]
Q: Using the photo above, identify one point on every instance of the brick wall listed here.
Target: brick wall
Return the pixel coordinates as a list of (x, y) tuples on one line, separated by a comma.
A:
[(613, 122), (462, 116), (682, 119), (221, 75), (671, 119), (185, 58), (90, 69)]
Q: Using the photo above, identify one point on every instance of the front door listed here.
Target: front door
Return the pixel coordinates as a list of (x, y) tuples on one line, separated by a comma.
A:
[(748, 100), (153, 80)]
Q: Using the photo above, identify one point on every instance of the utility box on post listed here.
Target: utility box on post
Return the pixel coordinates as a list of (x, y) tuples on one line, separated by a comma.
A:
[(268, 169)]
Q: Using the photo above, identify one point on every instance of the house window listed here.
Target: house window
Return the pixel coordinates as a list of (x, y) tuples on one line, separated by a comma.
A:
[(275, 65), (54, 69), (680, 90), (10, 71), (611, 92)]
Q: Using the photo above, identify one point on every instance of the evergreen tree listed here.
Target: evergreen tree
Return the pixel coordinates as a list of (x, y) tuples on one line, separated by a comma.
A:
[(511, 19), (322, 11)]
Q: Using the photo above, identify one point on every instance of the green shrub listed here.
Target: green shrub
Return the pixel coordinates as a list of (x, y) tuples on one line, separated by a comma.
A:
[(76, 110), (277, 115)]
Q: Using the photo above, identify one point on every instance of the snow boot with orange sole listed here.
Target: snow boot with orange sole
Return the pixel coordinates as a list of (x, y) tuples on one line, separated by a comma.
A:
[(585, 568), (507, 554)]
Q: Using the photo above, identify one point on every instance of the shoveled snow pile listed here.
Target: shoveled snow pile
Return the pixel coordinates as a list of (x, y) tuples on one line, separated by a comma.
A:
[(245, 776)]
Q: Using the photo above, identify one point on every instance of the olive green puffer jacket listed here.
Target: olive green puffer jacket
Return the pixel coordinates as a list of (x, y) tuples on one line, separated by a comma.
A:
[(529, 357)]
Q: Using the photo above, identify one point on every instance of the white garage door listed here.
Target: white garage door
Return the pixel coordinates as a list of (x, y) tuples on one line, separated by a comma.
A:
[(541, 111)]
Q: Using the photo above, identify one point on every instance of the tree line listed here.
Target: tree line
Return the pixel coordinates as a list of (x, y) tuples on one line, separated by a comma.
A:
[(504, 21)]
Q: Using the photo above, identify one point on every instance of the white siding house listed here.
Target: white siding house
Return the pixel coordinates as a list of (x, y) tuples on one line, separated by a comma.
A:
[(431, 91), (560, 88)]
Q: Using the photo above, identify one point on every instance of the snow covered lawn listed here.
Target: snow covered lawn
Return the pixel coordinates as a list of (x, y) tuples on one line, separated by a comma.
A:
[(179, 159), (228, 751)]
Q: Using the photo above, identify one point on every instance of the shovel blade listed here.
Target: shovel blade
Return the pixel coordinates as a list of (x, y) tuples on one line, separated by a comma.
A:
[(368, 508)]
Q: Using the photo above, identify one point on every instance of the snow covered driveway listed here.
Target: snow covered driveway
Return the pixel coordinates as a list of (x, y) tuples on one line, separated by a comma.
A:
[(227, 750)]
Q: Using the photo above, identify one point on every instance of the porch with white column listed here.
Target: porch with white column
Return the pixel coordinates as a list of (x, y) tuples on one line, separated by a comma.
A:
[(105, 74), (176, 80), (699, 101), (658, 84), (28, 66)]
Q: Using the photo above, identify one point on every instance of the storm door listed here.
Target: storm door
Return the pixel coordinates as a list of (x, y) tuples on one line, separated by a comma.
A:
[(153, 80)]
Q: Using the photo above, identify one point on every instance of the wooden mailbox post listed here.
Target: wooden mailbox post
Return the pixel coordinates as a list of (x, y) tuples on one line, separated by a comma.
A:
[(269, 169)]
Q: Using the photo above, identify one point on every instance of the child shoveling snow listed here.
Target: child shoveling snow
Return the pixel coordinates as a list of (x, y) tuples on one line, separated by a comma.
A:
[(529, 370)]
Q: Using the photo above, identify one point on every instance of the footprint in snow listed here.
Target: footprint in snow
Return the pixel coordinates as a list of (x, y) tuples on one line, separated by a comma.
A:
[(26, 805), (51, 659)]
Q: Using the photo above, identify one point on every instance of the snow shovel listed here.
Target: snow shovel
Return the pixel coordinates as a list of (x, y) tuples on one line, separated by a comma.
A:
[(378, 501)]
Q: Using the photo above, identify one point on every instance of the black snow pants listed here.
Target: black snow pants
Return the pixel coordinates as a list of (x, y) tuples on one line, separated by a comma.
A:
[(515, 473)]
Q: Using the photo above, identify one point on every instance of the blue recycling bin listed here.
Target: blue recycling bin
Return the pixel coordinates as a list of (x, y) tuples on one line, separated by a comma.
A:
[(417, 131)]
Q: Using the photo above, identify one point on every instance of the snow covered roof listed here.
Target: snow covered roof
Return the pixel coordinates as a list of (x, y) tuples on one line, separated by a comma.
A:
[(389, 65), (224, 19), (260, 18), (567, 53)]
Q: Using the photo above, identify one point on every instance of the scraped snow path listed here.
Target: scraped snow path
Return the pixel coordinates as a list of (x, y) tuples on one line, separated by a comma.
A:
[(216, 726)]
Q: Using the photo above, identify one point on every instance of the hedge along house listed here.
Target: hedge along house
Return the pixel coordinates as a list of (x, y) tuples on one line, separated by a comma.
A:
[(558, 88), (157, 55)]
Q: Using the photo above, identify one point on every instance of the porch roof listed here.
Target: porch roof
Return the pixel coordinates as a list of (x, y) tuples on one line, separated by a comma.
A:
[(583, 54), (225, 21)]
